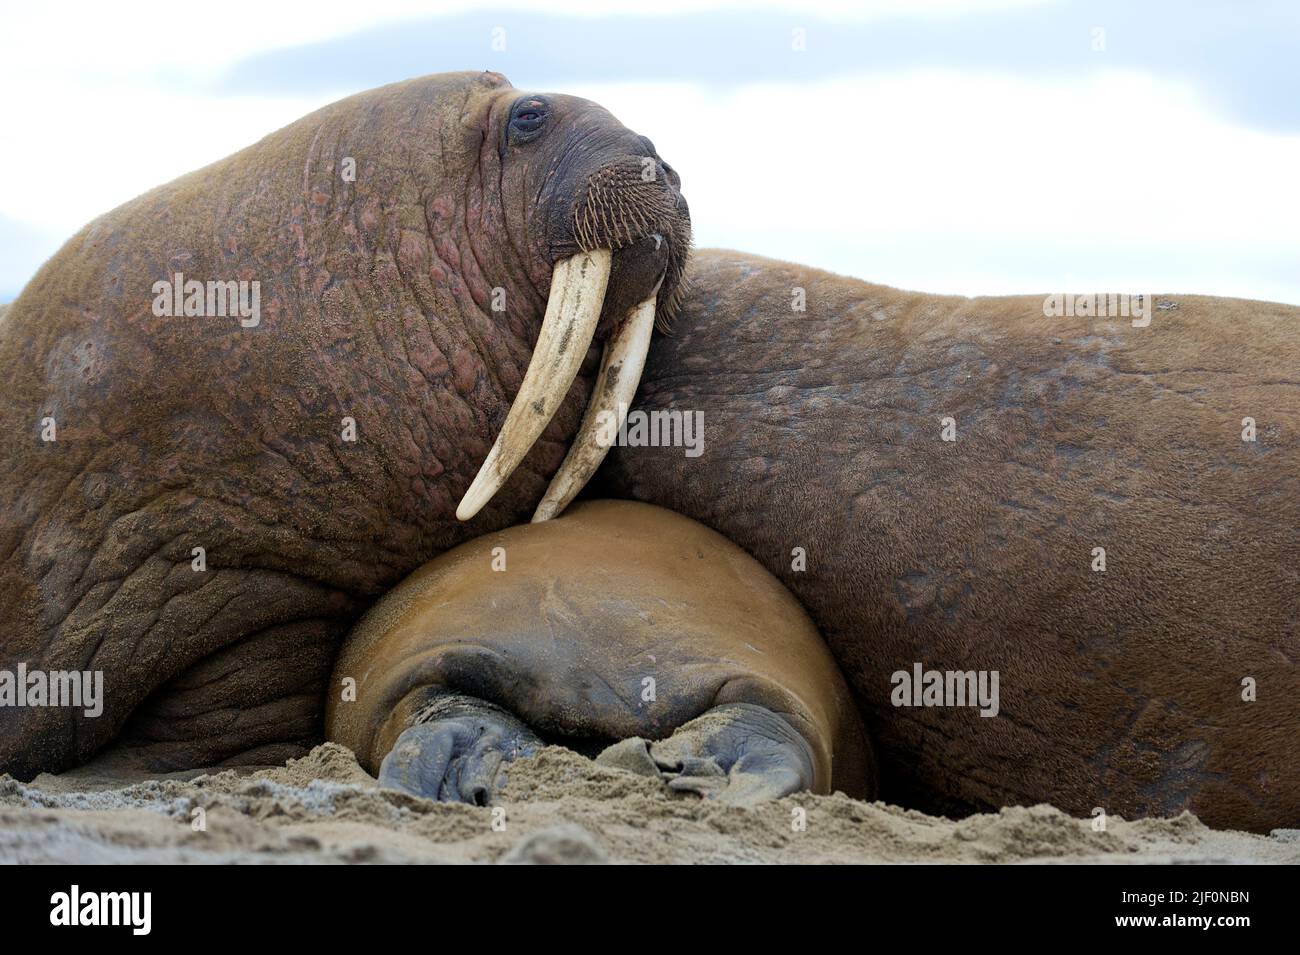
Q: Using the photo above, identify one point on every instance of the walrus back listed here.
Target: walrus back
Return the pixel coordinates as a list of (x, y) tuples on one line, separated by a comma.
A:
[(1108, 514)]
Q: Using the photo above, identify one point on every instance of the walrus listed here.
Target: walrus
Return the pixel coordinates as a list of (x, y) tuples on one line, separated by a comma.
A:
[(1112, 525), (617, 621), (240, 407)]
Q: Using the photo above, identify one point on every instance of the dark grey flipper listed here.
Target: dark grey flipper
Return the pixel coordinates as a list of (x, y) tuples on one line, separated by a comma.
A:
[(737, 753), (456, 749)]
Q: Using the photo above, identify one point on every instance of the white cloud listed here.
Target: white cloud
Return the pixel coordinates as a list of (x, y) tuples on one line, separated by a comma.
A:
[(87, 151), (933, 179), (1127, 176)]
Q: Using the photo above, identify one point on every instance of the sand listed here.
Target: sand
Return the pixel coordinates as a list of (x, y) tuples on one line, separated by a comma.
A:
[(557, 807)]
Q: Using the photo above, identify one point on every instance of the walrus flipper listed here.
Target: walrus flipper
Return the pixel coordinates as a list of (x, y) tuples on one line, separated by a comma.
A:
[(455, 750), (738, 753)]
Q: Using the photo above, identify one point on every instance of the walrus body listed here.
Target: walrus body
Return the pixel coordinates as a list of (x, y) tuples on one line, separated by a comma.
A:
[(200, 505), (1166, 681), (616, 620)]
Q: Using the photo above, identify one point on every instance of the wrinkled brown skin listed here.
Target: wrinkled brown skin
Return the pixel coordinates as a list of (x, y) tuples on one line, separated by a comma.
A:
[(1120, 689), (588, 606), (175, 433)]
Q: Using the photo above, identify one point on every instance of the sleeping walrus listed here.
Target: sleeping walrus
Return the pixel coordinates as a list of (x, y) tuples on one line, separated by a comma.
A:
[(618, 620)]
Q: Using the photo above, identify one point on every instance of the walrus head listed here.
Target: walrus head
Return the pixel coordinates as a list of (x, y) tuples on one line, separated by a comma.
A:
[(606, 216)]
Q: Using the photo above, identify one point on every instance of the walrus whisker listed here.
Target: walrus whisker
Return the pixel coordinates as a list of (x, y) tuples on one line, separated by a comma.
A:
[(616, 384), (572, 312)]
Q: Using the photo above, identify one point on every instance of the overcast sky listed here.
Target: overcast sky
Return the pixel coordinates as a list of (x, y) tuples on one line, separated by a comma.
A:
[(990, 146)]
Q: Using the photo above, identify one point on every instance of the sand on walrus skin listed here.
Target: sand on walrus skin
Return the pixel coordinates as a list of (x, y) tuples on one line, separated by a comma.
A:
[(557, 807)]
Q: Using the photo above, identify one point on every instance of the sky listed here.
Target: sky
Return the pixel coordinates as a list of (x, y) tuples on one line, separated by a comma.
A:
[(979, 147)]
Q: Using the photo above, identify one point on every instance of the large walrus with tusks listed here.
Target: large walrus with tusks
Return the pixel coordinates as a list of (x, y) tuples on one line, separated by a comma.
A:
[(1103, 510), (238, 408)]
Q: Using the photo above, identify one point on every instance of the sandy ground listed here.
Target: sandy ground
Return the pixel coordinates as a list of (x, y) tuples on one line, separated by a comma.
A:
[(557, 807)]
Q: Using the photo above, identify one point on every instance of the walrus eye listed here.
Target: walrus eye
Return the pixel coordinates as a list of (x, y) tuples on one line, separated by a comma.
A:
[(527, 118)]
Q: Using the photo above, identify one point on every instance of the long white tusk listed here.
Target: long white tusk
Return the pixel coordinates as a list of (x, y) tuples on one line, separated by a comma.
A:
[(572, 312), (620, 373)]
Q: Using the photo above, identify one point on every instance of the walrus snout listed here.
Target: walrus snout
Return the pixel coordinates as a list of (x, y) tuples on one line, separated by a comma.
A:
[(631, 200)]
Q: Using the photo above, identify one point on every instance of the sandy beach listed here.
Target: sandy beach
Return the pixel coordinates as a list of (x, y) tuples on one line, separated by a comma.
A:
[(557, 807)]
